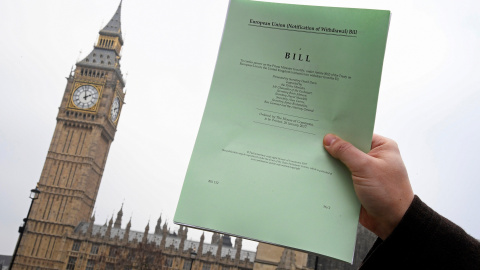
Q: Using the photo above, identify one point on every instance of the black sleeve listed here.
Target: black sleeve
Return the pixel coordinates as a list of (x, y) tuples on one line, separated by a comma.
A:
[(424, 240)]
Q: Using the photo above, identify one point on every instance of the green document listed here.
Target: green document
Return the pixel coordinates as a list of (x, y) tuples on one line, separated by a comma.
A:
[(285, 76)]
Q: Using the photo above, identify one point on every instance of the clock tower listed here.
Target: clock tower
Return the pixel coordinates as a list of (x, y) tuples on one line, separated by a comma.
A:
[(86, 124)]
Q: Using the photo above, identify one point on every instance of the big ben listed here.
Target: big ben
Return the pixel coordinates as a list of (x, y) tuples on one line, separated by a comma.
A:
[(87, 121)]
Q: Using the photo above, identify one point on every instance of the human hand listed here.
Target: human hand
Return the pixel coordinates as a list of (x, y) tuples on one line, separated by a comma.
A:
[(380, 180)]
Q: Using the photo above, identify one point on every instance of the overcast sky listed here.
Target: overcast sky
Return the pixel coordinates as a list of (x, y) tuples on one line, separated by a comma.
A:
[(429, 99)]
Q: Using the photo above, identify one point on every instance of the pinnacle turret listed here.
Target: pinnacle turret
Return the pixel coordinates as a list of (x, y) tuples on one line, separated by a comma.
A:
[(215, 238), (109, 229), (158, 226), (145, 234), (200, 246), (147, 228), (219, 248), (90, 226), (118, 220), (238, 247), (127, 230)]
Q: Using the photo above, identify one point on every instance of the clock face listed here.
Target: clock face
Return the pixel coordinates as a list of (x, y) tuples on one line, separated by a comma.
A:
[(85, 96), (115, 109)]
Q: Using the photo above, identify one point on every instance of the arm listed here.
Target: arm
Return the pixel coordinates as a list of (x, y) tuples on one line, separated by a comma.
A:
[(411, 235), (424, 240)]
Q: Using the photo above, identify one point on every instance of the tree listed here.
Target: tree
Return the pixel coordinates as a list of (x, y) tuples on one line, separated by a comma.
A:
[(139, 257)]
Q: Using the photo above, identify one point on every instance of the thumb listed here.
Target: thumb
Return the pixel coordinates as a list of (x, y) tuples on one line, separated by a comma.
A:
[(344, 151)]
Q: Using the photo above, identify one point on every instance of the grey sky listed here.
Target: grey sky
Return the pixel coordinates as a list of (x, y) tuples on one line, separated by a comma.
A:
[(429, 99)]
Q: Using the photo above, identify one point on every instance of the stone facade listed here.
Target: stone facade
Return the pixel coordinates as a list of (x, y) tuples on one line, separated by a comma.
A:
[(86, 124), (60, 232), (112, 247), (271, 257)]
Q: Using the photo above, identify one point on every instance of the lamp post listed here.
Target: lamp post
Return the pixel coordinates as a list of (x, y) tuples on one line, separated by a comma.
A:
[(34, 193)]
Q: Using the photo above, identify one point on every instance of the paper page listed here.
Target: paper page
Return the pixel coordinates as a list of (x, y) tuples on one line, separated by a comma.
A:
[(285, 76)]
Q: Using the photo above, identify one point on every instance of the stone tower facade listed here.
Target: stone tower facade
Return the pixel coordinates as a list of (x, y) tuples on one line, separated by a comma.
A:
[(86, 124)]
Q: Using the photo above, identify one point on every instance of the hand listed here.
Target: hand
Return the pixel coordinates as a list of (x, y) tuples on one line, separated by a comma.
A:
[(380, 180), (85, 97)]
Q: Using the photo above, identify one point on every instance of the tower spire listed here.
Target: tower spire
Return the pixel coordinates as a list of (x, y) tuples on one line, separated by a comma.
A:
[(164, 236), (238, 247), (114, 26), (106, 53), (118, 220), (127, 230), (109, 228), (145, 234), (86, 125), (200, 246), (158, 226), (219, 249)]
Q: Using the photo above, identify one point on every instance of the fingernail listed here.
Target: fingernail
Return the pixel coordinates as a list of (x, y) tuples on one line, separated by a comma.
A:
[(329, 139)]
